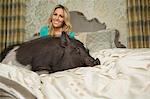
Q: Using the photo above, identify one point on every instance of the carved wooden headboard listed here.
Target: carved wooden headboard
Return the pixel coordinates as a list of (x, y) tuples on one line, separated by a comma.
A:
[(81, 24)]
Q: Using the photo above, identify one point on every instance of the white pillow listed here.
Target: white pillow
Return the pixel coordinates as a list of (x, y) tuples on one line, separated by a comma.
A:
[(95, 41), (10, 59)]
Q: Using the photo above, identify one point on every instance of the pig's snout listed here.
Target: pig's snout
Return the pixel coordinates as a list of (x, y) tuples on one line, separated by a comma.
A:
[(92, 62), (97, 62)]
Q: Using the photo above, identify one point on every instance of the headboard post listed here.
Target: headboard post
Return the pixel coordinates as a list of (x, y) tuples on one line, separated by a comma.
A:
[(116, 40)]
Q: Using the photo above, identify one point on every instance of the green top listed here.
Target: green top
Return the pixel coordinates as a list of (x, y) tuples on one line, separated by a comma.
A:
[(44, 32)]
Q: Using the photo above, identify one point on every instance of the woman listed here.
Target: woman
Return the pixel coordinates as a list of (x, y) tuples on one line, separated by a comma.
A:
[(59, 21)]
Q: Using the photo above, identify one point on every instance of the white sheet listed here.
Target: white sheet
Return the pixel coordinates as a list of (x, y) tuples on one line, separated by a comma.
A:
[(123, 74)]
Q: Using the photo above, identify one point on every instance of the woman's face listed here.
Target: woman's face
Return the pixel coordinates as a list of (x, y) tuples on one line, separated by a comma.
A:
[(58, 18)]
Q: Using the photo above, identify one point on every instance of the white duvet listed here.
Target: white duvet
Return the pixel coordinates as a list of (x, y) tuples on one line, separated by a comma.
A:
[(123, 74)]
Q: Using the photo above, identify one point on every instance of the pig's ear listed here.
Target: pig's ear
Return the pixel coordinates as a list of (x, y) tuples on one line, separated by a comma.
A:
[(64, 39)]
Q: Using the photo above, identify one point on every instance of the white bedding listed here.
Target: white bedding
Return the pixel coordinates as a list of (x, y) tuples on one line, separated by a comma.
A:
[(123, 74)]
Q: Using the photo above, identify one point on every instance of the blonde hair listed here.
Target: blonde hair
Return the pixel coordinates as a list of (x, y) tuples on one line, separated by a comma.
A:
[(66, 26)]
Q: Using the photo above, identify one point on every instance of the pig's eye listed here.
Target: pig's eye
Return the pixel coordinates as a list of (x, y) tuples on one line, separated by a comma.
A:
[(77, 50)]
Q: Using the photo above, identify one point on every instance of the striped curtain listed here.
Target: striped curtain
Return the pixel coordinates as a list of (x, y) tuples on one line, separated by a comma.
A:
[(12, 22), (138, 13)]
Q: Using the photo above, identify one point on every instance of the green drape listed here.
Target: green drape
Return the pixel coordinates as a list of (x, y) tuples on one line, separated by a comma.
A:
[(138, 13), (12, 22)]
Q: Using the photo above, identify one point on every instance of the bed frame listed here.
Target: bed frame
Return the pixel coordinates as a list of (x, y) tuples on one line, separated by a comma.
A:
[(81, 24)]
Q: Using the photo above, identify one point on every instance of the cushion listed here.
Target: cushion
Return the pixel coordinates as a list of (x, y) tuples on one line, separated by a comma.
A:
[(95, 41), (10, 59)]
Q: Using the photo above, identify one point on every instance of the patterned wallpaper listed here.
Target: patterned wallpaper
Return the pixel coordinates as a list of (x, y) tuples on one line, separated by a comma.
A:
[(110, 12)]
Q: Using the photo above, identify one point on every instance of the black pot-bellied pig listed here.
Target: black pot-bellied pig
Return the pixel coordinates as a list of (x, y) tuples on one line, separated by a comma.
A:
[(54, 54)]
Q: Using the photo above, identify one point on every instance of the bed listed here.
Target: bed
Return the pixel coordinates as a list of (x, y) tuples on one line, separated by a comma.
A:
[(123, 74)]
